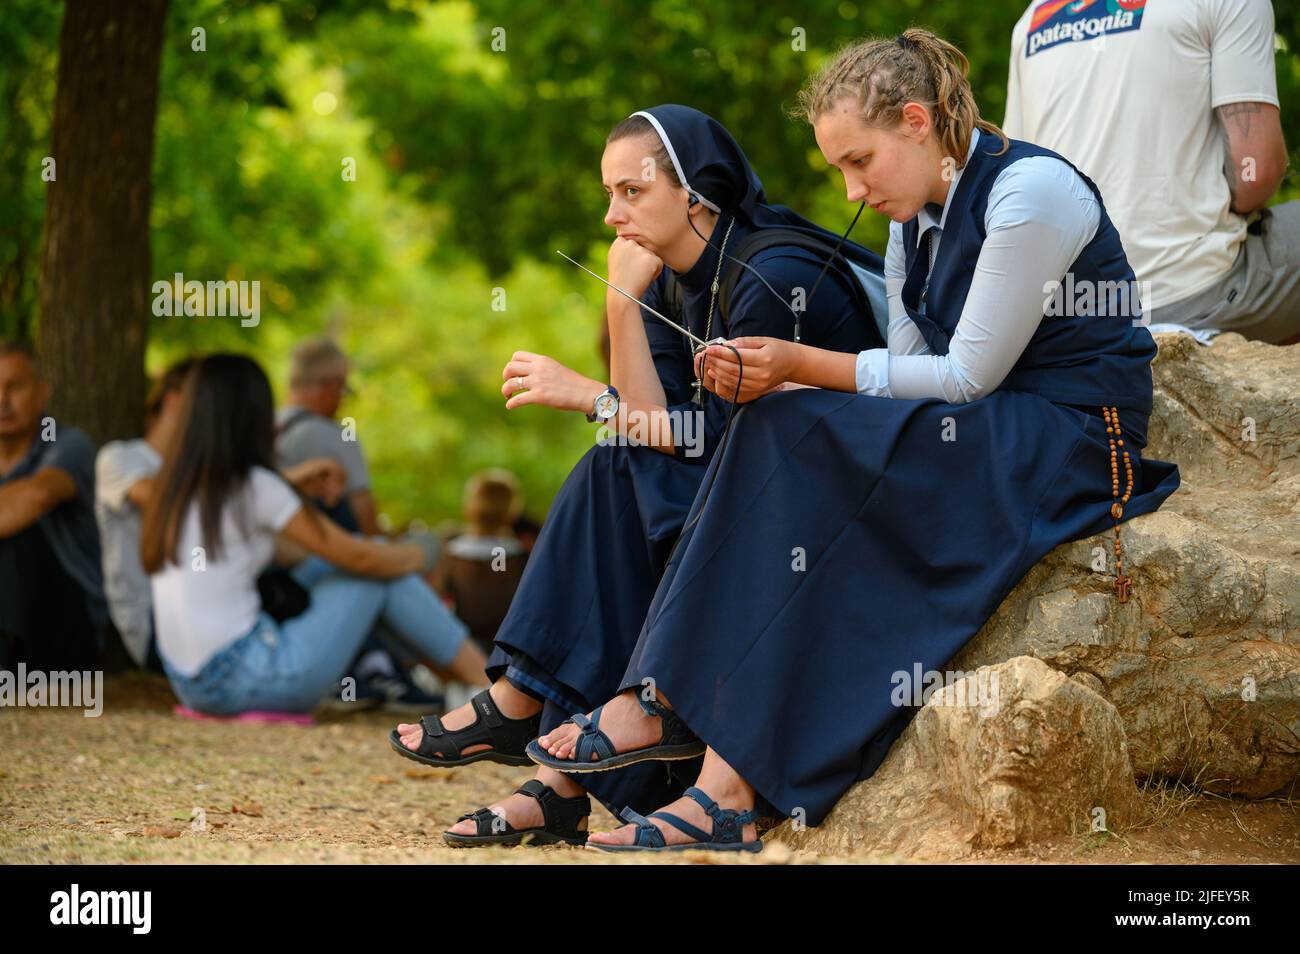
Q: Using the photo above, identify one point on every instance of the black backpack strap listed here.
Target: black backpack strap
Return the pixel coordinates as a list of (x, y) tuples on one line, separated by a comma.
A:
[(675, 305), (764, 239), (674, 297), (300, 414)]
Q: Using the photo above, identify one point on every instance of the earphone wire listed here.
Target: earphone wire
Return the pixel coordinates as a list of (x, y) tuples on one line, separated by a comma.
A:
[(836, 250), (716, 465)]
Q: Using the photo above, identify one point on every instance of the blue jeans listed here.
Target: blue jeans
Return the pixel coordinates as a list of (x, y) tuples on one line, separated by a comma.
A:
[(290, 666)]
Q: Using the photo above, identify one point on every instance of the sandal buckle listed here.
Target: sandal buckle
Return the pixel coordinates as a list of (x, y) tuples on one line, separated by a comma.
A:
[(651, 706)]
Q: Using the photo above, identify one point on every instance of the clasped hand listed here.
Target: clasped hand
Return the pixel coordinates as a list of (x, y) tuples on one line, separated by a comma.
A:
[(767, 362)]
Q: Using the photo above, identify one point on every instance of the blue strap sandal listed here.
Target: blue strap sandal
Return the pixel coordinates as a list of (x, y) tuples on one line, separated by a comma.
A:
[(728, 829), (676, 742)]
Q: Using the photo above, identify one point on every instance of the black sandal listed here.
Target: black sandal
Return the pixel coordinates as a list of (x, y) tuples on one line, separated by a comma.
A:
[(442, 747), (560, 821)]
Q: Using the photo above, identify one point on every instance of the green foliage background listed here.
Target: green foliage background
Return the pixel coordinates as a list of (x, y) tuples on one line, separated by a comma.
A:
[(472, 166)]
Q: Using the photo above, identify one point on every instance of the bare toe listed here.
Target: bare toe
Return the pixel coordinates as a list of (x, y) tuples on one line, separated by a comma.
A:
[(619, 836)]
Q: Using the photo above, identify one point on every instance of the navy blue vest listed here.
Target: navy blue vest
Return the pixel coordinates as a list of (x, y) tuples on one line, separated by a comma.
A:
[(1091, 355)]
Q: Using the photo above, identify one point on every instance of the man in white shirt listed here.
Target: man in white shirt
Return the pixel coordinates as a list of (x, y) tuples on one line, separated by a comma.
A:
[(124, 474), (1171, 108)]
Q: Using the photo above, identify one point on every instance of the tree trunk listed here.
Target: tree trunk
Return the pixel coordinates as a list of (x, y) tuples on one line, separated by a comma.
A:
[(94, 282)]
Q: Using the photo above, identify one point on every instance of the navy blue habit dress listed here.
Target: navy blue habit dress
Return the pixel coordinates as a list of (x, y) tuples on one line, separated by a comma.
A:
[(582, 600), (785, 665)]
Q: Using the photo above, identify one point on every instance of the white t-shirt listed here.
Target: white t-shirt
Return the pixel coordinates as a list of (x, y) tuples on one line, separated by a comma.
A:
[(118, 467), (1129, 98), (203, 605)]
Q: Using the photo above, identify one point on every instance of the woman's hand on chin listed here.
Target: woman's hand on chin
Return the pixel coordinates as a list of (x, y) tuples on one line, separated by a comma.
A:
[(768, 363), (536, 379), (632, 267)]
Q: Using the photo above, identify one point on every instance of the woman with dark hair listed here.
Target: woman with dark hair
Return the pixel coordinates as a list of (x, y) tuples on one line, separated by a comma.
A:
[(873, 521), (209, 529), (680, 192)]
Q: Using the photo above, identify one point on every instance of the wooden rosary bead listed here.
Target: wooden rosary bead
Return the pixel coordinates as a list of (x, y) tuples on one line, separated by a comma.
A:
[(1114, 432)]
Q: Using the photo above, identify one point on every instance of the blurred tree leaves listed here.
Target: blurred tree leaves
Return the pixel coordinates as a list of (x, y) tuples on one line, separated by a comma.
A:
[(473, 164), (29, 44)]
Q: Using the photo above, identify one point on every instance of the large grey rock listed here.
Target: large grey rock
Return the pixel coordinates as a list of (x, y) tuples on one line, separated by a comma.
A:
[(1203, 663), (1206, 400)]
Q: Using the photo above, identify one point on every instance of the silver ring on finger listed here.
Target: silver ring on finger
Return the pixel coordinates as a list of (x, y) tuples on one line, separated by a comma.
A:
[(519, 384)]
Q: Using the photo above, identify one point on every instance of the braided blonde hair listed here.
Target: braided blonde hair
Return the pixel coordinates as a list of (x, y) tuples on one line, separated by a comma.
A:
[(881, 76)]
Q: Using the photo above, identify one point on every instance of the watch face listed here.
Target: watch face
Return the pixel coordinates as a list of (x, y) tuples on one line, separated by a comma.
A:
[(606, 406)]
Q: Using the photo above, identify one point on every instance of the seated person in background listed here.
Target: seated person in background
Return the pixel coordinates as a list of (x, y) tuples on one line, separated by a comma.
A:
[(124, 472), (1172, 110), (124, 480), (480, 569), (306, 429), (208, 531), (52, 608)]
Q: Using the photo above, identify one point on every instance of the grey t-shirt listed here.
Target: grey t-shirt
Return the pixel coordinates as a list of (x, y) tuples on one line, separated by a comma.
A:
[(119, 466), (69, 528), (311, 435)]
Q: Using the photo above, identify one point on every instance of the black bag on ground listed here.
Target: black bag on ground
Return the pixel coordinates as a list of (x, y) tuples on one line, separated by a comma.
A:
[(283, 597)]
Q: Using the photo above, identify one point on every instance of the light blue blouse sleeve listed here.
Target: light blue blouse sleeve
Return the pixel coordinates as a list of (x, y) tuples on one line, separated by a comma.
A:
[(1039, 217), (903, 336)]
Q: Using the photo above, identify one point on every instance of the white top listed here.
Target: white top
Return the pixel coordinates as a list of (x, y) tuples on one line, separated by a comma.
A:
[(118, 467), (1132, 105), (203, 605), (1039, 217)]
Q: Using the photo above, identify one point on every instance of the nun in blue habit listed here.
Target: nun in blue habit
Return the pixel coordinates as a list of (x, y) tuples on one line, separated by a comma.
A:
[(871, 522), (581, 602)]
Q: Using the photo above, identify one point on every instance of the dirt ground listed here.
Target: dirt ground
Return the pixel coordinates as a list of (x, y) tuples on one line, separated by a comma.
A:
[(122, 788)]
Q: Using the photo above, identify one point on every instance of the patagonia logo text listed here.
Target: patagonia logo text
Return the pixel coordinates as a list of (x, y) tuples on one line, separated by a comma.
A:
[(1071, 21)]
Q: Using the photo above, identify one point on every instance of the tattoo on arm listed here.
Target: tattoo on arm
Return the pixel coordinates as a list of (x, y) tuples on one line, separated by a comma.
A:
[(1235, 118), (1240, 114), (1235, 122)]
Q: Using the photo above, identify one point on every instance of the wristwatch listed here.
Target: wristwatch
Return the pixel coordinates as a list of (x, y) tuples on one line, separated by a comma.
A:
[(605, 406)]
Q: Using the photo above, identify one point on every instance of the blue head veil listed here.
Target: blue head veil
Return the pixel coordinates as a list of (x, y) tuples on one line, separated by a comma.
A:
[(711, 166)]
